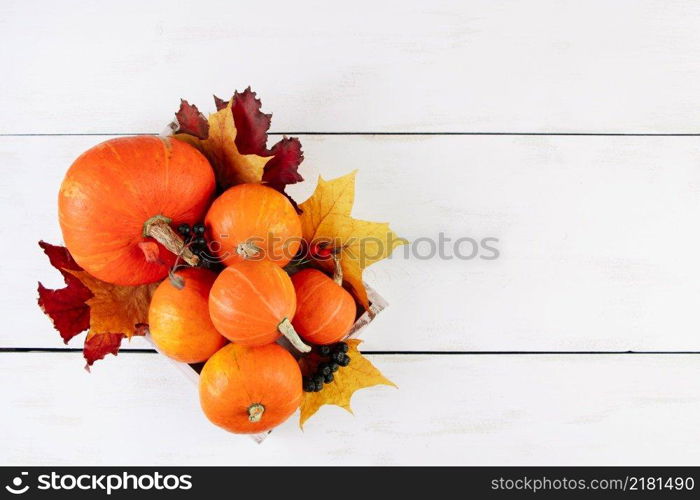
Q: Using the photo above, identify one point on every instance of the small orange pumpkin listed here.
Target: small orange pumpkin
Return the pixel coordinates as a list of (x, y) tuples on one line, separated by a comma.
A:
[(120, 197), (250, 389), (253, 222), (178, 318), (252, 303), (325, 310)]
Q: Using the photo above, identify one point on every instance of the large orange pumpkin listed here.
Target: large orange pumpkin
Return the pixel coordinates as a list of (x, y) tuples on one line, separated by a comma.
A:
[(253, 222), (178, 318), (325, 310), (252, 303), (250, 389), (120, 196)]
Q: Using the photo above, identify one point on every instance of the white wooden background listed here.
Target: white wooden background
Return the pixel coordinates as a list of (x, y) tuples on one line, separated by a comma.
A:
[(568, 130)]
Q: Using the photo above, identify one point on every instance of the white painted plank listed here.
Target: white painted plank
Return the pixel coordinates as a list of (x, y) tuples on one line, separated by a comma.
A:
[(598, 238), (483, 410), (477, 65)]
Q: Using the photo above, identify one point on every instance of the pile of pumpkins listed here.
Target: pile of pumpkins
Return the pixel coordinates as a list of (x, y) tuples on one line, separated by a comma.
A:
[(118, 205)]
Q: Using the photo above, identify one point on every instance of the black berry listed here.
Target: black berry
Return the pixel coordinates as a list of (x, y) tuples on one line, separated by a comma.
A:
[(318, 379), (183, 229), (340, 347), (324, 350), (324, 369), (345, 361), (318, 386), (309, 385), (334, 367), (328, 378), (337, 356), (200, 242), (198, 229)]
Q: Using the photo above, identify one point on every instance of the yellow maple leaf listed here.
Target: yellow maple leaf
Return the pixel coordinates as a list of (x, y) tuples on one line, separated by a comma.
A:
[(113, 308), (360, 373), (326, 218), (331, 198), (230, 166)]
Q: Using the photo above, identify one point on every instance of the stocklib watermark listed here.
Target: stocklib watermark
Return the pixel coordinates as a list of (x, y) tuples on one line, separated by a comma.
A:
[(106, 483)]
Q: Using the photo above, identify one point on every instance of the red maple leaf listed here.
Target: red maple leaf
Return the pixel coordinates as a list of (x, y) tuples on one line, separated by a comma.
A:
[(220, 103), (191, 121), (68, 309), (282, 169), (98, 346), (252, 126), (65, 306)]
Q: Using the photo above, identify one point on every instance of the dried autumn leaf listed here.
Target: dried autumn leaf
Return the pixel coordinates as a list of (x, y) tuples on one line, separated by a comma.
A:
[(116, 309), (110, 312), (97, 346), (230, 165), (220, 103), (116, 312), (282, 169), (236, 145), (191, 121), (251, 123), (360, 373), (67, 306), (331, 198), (326, 219)]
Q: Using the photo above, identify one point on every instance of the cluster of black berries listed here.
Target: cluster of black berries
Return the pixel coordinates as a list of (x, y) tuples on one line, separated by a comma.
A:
[(337, 357), (194, 237)]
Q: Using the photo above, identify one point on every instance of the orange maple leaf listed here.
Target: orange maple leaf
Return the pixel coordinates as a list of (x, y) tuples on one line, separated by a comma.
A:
[(116, 312)]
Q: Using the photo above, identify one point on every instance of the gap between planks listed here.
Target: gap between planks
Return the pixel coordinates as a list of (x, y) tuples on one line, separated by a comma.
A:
[(388, 353), (369, 133)]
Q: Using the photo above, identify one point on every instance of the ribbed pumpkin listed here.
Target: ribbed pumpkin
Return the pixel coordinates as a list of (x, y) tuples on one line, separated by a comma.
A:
[(252, 303), (178, 318), (325, 310), (250, 389), (122, 195), (253, 222)]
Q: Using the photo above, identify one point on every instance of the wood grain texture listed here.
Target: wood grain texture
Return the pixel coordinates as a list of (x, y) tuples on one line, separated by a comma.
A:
[(478, 65), (533, 410), (597, 238)]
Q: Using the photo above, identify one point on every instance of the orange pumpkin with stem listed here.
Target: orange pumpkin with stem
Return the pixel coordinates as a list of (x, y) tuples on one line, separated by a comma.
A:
[(119, 199), (253, 303), (250, 389), (325, 310), (178, 317), (253, 222)]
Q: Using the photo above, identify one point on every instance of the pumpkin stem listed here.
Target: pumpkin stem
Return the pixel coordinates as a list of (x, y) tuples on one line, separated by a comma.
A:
[(158, 228), (248, 249), (338, 271), (255, 412), (285, 328)]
